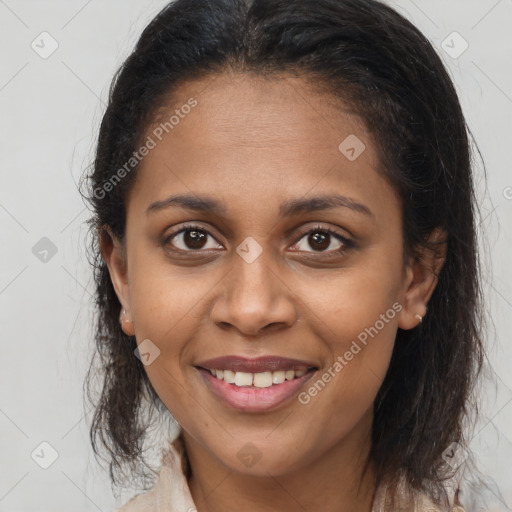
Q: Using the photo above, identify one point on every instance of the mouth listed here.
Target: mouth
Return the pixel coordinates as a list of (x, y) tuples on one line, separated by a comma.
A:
[(257, 380), (254, 385)]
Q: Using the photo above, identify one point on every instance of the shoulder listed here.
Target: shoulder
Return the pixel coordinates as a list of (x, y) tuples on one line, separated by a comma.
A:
[(171, 492), (140, 503), (414, 500)]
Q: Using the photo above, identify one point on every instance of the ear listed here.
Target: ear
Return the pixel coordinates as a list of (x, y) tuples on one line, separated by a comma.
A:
[(113, 253), (421, 277)]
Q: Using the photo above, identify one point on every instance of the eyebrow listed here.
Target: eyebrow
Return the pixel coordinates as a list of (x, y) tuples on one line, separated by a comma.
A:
[(287, 209)]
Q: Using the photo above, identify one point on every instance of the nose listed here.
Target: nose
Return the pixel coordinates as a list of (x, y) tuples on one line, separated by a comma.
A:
[(255, 300)]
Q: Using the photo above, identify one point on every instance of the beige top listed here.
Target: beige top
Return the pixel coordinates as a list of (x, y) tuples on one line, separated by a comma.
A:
[(172, 494)]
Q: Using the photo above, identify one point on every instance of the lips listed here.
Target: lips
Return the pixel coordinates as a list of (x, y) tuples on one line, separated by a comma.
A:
[(255, 385)]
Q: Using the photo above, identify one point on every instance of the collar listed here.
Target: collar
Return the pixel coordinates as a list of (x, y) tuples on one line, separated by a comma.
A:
[(171, 492)]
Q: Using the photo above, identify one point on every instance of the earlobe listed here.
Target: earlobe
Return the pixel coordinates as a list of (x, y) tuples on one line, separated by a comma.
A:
[(422, 276), (114, 254), (126, 322)]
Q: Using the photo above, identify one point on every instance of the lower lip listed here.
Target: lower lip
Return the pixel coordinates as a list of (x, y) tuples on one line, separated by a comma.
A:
[(250, 398)]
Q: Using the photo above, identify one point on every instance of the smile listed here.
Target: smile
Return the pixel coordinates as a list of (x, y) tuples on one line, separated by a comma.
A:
[(255, 385), (257, 380)]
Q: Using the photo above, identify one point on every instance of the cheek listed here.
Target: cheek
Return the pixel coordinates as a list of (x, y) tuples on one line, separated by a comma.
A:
[(170, 306), (167, 301), (356, 304), (360, 346), (360, 342), (356, 316)]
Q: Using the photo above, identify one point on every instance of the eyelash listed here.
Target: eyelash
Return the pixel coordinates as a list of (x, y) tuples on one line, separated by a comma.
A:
[(347, 244)]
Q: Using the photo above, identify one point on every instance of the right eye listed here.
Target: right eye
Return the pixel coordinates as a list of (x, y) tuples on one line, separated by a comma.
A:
[(192, 239)]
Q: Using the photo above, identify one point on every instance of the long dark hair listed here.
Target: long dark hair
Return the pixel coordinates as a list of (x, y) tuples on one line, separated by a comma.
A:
[(372, 58)]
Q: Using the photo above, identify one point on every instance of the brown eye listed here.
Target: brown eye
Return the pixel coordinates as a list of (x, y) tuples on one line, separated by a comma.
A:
[(322, 240), (319, 240), (193, 239)]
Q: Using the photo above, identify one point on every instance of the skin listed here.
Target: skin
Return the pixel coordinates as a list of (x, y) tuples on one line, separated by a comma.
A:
[(251, 144)]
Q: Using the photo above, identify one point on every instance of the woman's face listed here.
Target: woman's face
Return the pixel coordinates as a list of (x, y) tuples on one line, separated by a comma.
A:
[(294, 262)]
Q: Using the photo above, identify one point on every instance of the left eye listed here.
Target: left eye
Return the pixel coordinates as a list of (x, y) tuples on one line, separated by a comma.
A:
[(321, 240)]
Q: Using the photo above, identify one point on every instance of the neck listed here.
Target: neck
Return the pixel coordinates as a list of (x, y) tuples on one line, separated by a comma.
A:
[(333, 482)]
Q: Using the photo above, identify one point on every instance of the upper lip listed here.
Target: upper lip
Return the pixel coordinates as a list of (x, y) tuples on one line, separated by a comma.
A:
[(256, 365)]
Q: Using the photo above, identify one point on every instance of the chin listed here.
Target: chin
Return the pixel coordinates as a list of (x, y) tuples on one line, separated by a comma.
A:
[(252, 461)]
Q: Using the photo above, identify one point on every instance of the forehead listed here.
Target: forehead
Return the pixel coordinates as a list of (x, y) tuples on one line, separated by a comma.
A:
[(257, 111), (252, 138)]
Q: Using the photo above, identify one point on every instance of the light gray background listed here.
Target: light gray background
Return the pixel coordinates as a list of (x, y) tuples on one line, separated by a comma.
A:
[(51, 109)]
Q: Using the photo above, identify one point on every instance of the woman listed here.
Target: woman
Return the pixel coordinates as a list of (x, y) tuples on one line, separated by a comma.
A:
[(286, 261)]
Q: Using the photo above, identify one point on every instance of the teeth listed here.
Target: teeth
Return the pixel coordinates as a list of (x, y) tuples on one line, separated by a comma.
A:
[(263, 380), (229, 376), (278, 377), (258, 380), (243, 379)]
